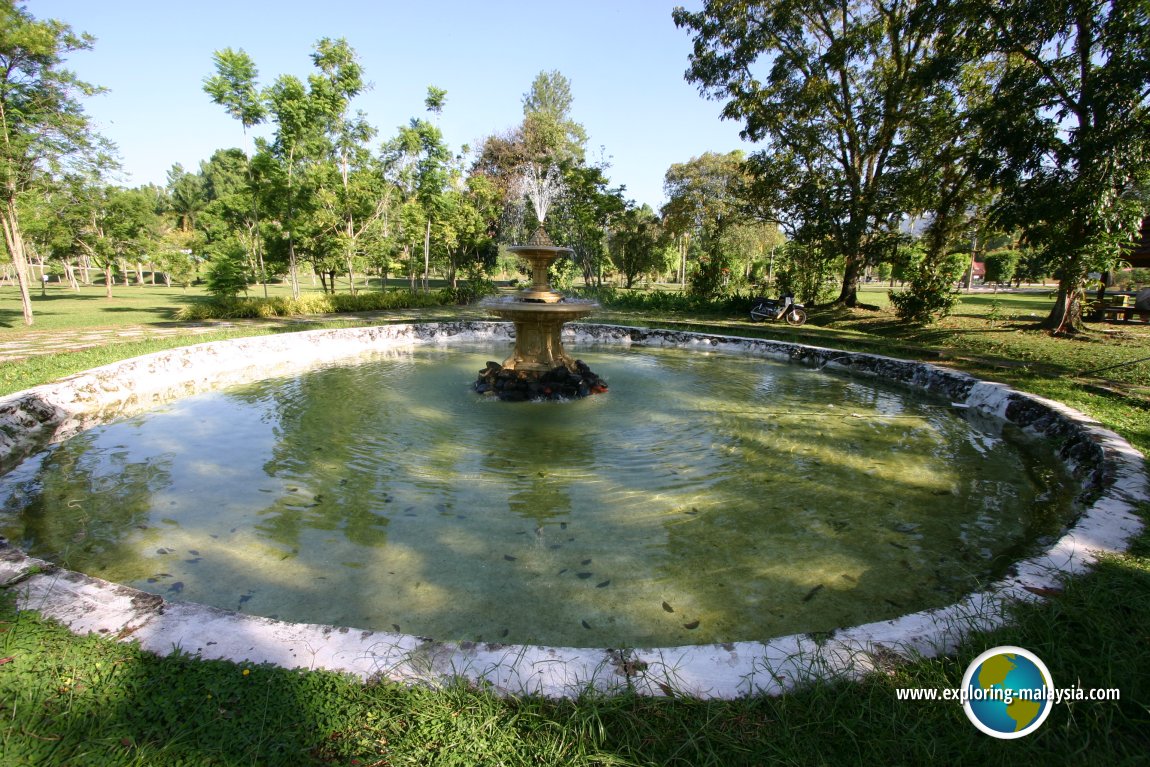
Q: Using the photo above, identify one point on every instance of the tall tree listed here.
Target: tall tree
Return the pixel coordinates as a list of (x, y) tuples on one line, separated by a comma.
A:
[(830, 86), (941, 185), (418, 162), (635, 243), (286, 158), (359, 203), (227, 221), (186, 196), (550, 134), (42, 124), (705, 199), (1067, 130), (588, 209), (235, 87)]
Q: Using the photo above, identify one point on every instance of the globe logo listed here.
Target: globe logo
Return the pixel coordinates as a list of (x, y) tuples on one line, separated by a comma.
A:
[(1007, 692)]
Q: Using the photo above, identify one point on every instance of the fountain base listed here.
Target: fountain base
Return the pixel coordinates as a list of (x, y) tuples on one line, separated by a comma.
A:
[(559, 383)]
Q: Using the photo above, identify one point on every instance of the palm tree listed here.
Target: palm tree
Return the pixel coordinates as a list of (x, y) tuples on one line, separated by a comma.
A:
[(187, 195)]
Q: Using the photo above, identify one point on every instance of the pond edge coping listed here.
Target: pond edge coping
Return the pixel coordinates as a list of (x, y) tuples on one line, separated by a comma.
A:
[(1110, 472)]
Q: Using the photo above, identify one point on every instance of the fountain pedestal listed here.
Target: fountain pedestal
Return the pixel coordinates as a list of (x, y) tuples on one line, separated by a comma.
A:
[(539, 366)]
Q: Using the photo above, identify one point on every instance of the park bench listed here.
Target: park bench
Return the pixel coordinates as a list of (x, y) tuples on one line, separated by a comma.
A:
[(1122, 309)]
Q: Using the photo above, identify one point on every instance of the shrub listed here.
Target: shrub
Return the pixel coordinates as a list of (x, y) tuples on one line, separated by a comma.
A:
[(475, 287), (228, 274), (311, 303), (930, 294), (665, 301), (1000, 265)]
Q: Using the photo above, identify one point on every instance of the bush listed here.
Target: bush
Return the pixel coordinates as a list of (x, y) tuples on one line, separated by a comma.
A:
[(1000, 265), (806, 272), (228, 274), (475, 287), (665, 301), (930, 294), (311, 303)]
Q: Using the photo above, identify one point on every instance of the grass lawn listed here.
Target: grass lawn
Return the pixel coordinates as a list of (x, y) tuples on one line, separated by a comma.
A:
[(60, 308), (68, 700)]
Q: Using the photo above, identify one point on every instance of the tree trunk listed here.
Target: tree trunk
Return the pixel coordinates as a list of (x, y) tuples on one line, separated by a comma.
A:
[(848, 296), (426, 253), (70, 270), (1066, 314), (108, 279), (973, 253), (1100, 297), (263, 270), (15, 243)]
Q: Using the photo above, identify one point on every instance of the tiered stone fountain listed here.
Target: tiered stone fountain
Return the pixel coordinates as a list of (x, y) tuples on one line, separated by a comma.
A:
[(539, 368)]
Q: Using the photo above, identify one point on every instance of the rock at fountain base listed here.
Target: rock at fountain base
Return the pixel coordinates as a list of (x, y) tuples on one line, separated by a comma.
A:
[(559, 383)]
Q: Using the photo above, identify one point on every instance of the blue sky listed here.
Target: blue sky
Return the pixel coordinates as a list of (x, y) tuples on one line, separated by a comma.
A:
[(625, 60)]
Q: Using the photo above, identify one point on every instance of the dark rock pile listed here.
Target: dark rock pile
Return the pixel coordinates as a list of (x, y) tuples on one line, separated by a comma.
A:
[(521, 386)]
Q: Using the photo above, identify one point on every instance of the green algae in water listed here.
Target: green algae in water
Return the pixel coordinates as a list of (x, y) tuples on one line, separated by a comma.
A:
[(706, 498)]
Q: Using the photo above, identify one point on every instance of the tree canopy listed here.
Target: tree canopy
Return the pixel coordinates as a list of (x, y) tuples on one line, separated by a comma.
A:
[(1033, 113)]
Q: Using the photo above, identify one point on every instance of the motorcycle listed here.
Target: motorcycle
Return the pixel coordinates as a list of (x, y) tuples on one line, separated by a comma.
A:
[(783, 308)]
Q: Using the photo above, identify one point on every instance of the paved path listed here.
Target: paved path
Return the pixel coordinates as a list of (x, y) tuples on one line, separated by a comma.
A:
[(36, 342)]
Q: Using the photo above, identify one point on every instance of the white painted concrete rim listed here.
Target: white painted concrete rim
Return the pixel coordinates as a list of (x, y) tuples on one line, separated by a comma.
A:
[(1108, 465)]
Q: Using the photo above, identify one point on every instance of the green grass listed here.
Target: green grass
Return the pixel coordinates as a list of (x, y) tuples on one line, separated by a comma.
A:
[(89, 701), (64, 309), (69, 700)]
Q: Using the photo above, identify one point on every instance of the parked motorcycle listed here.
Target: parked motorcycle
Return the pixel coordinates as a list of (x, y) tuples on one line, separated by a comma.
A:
[(783, 308)]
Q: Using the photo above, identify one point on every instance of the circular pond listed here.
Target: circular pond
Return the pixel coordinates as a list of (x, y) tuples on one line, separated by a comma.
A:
[(710, 497), (738, 521)]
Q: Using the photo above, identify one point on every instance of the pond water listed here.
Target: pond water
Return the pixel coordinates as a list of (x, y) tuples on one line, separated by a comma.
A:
[(707, 497)]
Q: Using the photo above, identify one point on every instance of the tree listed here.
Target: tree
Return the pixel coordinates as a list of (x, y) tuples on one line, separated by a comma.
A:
[(831, 87), (588, 209), (549, 133), (635, 243), (186, 196), (358, 202), (704, 201), (940, 183), (1000, 266), (1067, 131), (228, 221), (418, 162), (117, 225), (235, 87), (42, 125)]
